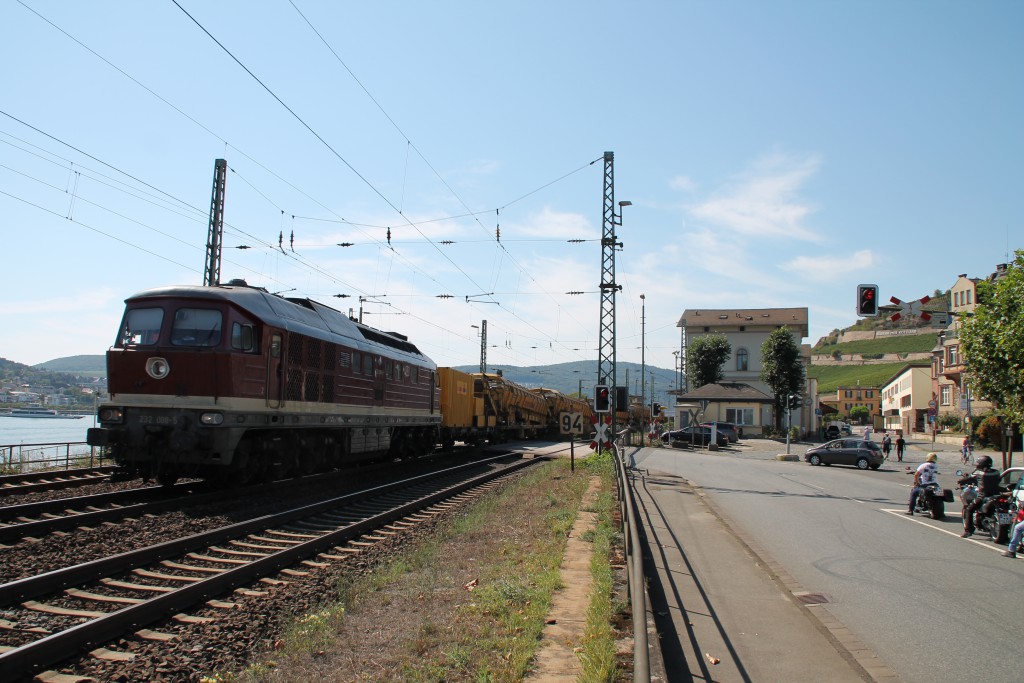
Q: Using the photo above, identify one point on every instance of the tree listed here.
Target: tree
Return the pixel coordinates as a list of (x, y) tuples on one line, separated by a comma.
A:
[(992, 342), (704, 359), (860, 413), (781, 369)]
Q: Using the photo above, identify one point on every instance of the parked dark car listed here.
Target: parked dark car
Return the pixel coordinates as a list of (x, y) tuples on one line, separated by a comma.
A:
[(734, 432), (693, 436), (834, 431), (857, 451)]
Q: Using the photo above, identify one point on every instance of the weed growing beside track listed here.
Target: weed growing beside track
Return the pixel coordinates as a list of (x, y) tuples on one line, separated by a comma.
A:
[(466, 604)]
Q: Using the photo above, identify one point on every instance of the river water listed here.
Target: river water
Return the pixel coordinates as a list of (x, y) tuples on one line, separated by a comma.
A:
[(24, 430)]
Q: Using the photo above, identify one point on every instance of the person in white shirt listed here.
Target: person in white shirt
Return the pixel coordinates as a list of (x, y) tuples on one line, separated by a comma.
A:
[(927, 473)]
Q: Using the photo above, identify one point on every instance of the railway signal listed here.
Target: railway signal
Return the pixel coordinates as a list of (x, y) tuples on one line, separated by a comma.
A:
[(911, 309), (867, 301), (601, 398)]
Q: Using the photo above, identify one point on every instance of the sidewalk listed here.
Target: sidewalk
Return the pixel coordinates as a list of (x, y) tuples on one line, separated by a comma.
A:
[(737, 614)]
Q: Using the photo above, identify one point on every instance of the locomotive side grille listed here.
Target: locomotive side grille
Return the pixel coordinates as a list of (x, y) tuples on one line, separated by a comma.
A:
[(293, 391), (294, 349), (330, 354), (312, 392), (314, 354), (327, 389), (345, 359)]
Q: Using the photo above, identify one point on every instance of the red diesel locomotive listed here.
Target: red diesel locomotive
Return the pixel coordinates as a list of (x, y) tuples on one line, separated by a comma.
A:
[(234, 383)]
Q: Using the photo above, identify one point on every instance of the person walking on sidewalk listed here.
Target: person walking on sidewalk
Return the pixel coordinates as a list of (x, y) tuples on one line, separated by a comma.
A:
[(901, 446), (927, 473)]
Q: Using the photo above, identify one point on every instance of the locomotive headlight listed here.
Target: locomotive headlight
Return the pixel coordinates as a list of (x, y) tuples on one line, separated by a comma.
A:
[(211, 418), (111, 415), (158, 368)]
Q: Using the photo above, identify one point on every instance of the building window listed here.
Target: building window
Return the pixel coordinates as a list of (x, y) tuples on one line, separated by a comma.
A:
[(849, 393), (968, 297), (742, 357), (954, 355), (869, 394), (946, 395), (740, 416)]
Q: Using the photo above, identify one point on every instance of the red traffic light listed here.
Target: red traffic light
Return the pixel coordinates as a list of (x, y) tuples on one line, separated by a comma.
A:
[(867, 300), (601, 399)]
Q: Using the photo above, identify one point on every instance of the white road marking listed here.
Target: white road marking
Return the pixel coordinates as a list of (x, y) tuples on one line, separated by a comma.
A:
[(983, 544), (819, 488)]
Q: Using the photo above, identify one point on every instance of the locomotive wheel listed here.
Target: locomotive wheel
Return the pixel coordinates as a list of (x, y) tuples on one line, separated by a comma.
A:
[(166, 478)]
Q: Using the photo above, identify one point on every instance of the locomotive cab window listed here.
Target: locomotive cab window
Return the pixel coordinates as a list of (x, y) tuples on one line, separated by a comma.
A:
[(141, 327), (196, 327), (243, 337)]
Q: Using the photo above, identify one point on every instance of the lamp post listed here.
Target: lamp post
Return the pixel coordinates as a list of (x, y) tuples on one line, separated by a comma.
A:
[(643, 365)]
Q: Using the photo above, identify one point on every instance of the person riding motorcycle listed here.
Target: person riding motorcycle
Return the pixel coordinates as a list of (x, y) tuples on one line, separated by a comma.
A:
[(986, 478), (927, 473)]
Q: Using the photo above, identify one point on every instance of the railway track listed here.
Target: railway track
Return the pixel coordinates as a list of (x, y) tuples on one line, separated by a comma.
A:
[(44, 618), (37, 519), (31, 482)]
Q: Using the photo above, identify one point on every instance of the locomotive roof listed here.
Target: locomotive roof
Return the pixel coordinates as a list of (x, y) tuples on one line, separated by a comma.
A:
[(293, 314)]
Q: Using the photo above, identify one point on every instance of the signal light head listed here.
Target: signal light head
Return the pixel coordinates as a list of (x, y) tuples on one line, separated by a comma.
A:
[(867, 300)]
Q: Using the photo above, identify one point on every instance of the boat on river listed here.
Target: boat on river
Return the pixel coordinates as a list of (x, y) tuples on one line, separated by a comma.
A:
[(40, 413)]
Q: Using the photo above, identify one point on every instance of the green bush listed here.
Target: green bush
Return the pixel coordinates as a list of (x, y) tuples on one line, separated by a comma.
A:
[(990, 431), (950, 422)]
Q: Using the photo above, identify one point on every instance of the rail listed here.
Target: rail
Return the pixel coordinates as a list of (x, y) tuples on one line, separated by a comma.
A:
[(635, 581), (18, 458)]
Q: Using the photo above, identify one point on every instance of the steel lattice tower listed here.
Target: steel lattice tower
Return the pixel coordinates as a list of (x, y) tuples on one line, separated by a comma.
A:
[(211, 277), (606, 345)]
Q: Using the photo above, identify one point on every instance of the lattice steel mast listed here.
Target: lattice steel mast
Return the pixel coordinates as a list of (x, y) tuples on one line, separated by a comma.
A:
[(211, 276), (606, 345)]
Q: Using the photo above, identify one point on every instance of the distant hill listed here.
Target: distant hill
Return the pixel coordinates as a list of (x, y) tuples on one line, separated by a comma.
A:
[(568, 377), (94, 366)]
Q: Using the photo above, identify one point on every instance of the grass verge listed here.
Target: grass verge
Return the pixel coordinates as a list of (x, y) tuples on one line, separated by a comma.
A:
[(467, 603)]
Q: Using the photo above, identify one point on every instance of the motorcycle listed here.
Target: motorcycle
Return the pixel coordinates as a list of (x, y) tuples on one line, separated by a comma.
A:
[(932, 501), (994, 517)]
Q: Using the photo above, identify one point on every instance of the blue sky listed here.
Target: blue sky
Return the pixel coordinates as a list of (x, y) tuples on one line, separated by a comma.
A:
[(776, 154)]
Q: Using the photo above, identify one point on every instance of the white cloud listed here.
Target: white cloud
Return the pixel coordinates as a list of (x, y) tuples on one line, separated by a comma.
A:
[(684, 183), (765, 200), (553, 225), (828, 268)]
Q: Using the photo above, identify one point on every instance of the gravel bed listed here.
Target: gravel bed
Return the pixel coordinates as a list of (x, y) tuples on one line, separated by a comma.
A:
[(72, 491), (255, 624)]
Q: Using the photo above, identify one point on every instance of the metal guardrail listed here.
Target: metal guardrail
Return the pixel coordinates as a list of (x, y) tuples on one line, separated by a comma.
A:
[(635, 581), (18, 458)]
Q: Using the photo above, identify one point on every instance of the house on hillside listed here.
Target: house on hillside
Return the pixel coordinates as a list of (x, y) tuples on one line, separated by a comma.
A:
[(905, 399), (742, 394)]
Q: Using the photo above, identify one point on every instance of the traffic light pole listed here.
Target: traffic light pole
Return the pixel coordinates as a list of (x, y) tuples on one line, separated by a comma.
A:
[(789, 423)]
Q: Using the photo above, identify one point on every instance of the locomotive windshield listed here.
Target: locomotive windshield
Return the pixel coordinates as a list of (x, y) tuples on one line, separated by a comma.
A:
[(196, 327), (141, 327)]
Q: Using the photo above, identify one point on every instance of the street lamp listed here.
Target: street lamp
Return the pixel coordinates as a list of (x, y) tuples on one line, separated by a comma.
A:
[(643, 364)]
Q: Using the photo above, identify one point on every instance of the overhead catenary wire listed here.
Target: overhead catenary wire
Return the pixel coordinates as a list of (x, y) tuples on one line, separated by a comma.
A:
[(266, 244)]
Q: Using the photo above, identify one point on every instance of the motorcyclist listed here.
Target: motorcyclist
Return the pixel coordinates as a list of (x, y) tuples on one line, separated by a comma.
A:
[(927, 473), (986, 478)]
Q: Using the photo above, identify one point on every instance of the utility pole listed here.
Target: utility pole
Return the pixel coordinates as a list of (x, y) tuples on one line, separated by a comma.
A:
[(609, 243), (483, 347), (211, 276)]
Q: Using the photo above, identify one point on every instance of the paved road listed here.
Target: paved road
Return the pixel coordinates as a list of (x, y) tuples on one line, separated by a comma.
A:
[(932, 605)]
